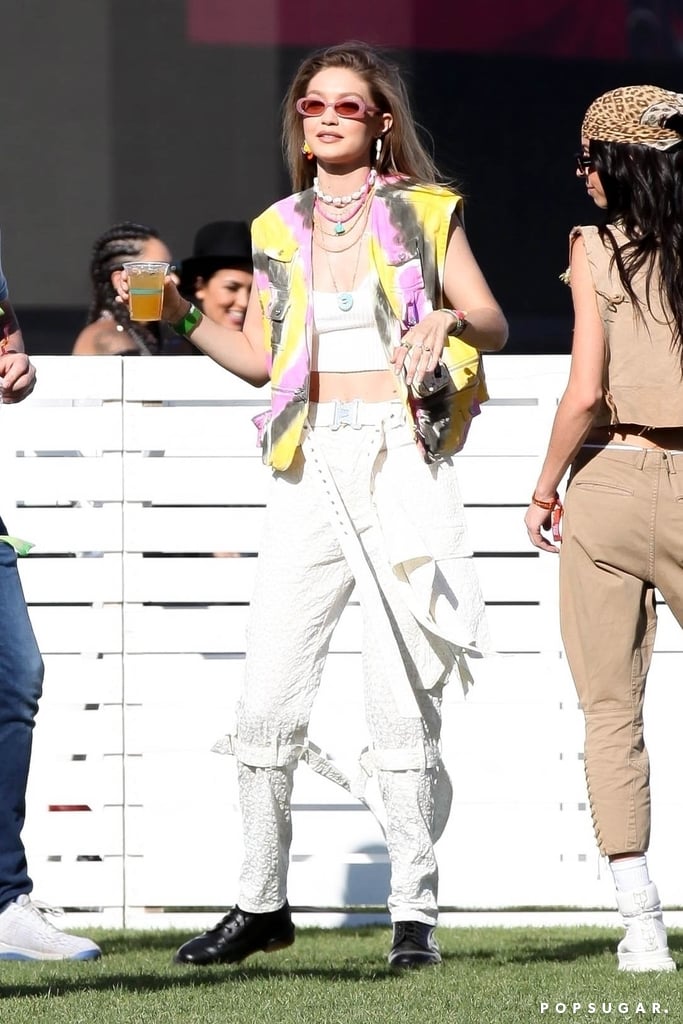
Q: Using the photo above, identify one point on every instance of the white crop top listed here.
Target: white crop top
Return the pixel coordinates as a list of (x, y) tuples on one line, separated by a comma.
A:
[(346, 341)]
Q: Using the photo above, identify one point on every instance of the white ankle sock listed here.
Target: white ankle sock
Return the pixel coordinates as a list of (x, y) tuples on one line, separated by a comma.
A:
[(630, 873)]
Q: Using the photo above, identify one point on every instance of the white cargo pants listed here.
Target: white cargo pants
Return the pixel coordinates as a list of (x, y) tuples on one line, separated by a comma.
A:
[(303, 583)]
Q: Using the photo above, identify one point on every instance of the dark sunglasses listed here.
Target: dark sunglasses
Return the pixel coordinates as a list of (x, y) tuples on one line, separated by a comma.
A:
[(349, 107), (583, 163)]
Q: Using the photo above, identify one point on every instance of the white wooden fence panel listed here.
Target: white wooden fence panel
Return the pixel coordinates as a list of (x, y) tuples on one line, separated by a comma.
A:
[(149, 528), (86, 580), (214, 629), (196, 480), (203, 580), (189, 679), (526, 377), (62, 781), (192, 429), (66, 530), (89, 429), (143, 468), (95, 889), (668, 631), (497, 529), (512, 579), (165, 381), (505, 429), (71, 380), (68, 479), (88, 678), (496, 480), (79, 833), (155, 879), (77, 729), (74, 630)]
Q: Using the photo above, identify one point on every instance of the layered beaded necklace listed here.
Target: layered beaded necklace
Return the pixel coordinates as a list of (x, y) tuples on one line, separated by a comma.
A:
[(344, 208), (344, 298)]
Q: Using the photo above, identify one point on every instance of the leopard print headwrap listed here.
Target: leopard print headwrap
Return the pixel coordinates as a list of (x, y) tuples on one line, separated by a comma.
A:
[(634, 113)]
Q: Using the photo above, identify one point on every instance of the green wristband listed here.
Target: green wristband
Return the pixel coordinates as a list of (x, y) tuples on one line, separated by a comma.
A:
[(189, 322)]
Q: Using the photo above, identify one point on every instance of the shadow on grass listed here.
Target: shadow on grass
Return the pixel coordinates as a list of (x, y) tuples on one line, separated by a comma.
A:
[(544, 948), (164, 939), (526, 952), (190, 977), (555, 952), (144, 942)]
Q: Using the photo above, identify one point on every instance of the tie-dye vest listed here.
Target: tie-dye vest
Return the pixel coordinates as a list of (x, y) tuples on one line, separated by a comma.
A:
[(408, 228)]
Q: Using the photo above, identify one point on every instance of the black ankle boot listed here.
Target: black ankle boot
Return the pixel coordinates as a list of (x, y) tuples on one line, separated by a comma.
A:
[(414, 945), (238, 935)]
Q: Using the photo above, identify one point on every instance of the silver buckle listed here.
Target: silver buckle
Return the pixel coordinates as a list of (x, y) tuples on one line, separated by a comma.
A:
[(346, 414)]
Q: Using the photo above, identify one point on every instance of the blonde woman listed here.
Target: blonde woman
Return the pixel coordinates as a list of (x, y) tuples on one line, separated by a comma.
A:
[(362, 278)]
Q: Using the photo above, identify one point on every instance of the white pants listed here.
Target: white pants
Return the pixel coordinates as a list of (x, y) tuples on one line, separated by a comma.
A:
[(303, 584)]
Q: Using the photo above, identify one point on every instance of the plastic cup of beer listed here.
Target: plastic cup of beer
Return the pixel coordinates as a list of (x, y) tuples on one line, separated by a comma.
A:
[(145, 289)]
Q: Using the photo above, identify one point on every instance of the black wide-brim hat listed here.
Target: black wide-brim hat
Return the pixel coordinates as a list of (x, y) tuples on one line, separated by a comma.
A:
[(219, 245)]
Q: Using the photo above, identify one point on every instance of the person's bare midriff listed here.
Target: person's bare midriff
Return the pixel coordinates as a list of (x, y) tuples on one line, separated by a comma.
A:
[(370, 386)]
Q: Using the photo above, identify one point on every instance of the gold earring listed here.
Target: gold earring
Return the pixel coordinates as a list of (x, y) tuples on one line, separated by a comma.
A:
[(307, 151)]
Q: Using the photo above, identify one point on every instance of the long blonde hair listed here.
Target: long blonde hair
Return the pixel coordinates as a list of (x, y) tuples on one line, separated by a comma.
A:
[(402, 152)]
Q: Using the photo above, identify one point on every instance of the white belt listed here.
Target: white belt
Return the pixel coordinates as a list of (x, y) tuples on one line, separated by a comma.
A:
[(354, 414), (633, 448)]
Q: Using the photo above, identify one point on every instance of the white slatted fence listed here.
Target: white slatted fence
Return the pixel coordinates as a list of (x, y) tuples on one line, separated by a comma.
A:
[(141, 486)]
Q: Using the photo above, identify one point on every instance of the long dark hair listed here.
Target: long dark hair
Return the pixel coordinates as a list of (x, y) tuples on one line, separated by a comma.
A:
[(121, 242), (402, 151), (644, 191)]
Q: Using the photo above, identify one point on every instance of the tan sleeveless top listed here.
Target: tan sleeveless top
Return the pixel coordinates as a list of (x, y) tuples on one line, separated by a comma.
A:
[(643, 375)]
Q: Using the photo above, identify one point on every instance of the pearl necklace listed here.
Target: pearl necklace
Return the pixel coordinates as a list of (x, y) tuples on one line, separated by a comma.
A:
[(345, 200)]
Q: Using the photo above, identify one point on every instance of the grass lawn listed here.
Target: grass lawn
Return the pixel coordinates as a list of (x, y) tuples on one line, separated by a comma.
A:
[(489, 976)]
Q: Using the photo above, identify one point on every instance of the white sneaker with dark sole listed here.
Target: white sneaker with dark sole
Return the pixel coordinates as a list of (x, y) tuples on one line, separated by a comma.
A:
[(26, 934), (644, 946)]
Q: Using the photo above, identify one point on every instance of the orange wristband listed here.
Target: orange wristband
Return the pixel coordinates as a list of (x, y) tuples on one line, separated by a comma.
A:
[(547, 505)]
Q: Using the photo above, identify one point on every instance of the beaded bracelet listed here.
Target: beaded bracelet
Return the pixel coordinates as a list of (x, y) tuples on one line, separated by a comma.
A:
[(547, 505), (460, 322), (187, 324)]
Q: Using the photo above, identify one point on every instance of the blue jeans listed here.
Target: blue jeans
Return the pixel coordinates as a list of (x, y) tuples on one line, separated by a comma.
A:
[(21, 681)]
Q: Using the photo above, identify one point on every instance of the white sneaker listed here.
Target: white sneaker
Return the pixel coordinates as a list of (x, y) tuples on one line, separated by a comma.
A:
[(26, 934), (644, 947)]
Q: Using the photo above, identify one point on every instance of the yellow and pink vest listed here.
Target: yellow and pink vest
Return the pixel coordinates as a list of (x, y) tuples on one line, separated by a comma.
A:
[(409, 229)]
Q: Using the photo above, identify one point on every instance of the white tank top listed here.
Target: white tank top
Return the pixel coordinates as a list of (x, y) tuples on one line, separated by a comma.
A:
[(346, 341)]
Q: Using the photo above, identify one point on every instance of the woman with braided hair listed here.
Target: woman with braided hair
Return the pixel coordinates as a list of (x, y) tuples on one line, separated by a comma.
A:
[(619, 426), (109, 330)]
